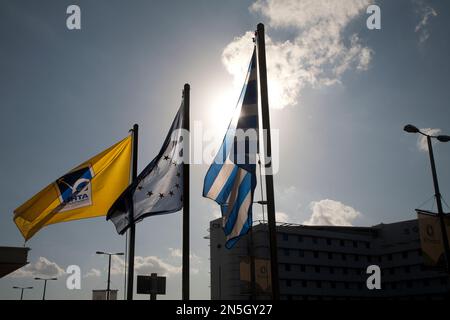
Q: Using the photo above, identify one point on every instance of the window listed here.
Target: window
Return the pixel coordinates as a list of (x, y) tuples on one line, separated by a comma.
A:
[(333, 285), (304, 284), (345, 270), (331, 270), (346, 285), (390, 257), (407, 269), (288, 283), (342, 243), (301, 253), (392, 271), (330, 255), (317, 269), (302, 268), (287, 267), (316, 255), (355, 244), (368, 245), (369, 259), (426, 282), (344, 257), (315, 240), (409, 284), (405, 255), (286, 252), (319, 284), (356, 257), (300, 238), (329, 242)]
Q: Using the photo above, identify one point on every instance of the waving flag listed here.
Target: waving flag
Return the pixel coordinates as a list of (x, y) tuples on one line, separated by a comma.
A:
[(87, 191), (158, 188), (231, 179)]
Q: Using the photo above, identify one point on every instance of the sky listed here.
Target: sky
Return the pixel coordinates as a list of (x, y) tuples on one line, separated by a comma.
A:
[(339, 94)]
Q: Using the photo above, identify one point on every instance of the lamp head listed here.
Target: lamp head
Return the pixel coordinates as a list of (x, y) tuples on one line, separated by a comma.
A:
[(411, 129), (443, 138)]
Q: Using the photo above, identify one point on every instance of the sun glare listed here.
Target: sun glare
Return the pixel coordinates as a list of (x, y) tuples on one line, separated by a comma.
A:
[(220, 113)]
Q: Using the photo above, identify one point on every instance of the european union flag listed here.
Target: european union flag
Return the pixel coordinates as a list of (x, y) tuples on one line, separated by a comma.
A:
[(158, 189)]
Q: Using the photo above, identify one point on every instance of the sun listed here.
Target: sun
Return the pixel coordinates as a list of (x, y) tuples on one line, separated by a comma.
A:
[(220, 112)]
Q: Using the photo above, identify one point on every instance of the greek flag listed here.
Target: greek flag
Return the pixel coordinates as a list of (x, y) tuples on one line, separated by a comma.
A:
[(231, 178)]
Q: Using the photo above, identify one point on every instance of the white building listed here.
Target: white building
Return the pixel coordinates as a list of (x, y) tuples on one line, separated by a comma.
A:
[(324, 262)]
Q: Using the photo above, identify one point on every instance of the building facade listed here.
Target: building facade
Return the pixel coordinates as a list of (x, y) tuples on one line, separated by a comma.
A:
[(325, 263)]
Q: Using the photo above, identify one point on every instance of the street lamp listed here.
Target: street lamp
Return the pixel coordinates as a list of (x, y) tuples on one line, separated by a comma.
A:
[(45, 284), (442, 138), (22, 288), (109, 268)]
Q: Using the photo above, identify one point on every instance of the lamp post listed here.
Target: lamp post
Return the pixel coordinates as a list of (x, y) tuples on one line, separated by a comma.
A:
[(45, 284), (442, 138), (109, 268), (22, 289)]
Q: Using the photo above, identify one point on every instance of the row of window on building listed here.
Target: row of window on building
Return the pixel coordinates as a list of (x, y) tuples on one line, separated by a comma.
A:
[(394, 285), (351, 271), (327, 241), (349, 256)]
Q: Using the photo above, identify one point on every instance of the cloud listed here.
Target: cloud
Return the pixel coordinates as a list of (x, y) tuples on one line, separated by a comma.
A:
[(317, 56), (422, 142), (282, 217), (331, 213), (175, 252), (41, 268), (426, 13), (93, 273), (145, 266)]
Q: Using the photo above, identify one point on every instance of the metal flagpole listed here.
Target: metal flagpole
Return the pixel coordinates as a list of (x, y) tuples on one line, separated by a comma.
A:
[(441, 214), (186, 157), (131, 217), (260, 42)]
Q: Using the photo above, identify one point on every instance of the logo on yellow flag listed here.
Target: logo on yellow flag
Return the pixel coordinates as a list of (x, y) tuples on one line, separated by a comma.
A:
[(87, 191)]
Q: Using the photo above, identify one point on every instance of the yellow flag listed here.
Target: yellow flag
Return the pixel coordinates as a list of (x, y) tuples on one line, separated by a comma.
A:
[(87, 191)]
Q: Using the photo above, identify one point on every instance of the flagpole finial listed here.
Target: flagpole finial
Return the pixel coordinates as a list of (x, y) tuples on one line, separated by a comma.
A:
[(187, 87)]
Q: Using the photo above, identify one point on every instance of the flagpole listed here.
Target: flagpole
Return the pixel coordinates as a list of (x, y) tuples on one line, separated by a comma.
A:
[(132, 229), (268, 166), (186, 197)]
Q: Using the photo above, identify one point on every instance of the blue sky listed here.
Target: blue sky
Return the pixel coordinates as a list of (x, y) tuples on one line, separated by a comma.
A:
[(340, 95)]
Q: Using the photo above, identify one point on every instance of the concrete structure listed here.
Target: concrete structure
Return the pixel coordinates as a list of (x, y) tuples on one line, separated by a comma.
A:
[(102, 294), (12, 258), (325, 262)]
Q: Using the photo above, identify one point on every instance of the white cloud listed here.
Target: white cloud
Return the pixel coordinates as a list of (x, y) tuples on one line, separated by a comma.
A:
[(175, 252), (426, 13), (41, 268), (422, 143), (318, 55), (331, 213), (93, 273), (282, 217), (145, 266)]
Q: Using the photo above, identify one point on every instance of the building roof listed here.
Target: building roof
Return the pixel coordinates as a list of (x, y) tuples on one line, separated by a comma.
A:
[(12, 258)]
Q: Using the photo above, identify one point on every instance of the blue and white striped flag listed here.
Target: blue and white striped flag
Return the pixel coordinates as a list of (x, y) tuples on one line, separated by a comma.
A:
[(231, 178)]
